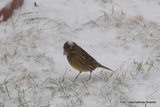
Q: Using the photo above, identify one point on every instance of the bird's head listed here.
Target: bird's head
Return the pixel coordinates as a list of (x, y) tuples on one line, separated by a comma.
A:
[(69, 48)]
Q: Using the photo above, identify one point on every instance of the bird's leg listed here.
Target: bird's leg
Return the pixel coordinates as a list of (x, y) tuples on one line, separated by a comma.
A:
[(90, 75), (78, 75)]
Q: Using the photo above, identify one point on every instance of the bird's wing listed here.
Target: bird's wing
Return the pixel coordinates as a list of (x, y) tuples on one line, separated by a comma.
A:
[(89, 60)]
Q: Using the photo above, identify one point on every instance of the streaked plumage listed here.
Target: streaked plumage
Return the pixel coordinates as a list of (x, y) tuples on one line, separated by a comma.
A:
[(80, 59)]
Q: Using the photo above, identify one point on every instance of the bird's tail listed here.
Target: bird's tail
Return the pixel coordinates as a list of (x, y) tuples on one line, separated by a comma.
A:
[(106, 68)]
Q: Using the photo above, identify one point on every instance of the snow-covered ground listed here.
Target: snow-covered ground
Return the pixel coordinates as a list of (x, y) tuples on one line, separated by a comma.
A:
[(123, 35)]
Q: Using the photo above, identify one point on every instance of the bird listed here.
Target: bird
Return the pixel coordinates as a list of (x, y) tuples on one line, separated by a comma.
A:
[(79, 59)]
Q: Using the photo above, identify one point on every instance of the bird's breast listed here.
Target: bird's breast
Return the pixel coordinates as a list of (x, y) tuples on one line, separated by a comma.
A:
[(77, 63)]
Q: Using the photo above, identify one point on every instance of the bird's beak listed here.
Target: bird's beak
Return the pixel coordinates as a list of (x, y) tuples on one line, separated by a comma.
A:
[(64, 52)]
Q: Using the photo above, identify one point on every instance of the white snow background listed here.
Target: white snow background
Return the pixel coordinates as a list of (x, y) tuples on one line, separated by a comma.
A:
[(123, 35)]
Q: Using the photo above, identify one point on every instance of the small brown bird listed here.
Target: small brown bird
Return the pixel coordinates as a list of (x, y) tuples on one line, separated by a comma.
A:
[(80, 59)]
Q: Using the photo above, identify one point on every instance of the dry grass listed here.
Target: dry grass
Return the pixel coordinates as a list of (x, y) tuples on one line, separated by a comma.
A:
[(25, 86)]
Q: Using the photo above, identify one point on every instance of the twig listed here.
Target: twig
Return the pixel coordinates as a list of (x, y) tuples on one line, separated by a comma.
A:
[(64, 75), (153, 92), (7, 89), (22, 99)]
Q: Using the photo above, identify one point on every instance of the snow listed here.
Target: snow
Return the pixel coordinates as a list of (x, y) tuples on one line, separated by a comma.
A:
[(122, 35)]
